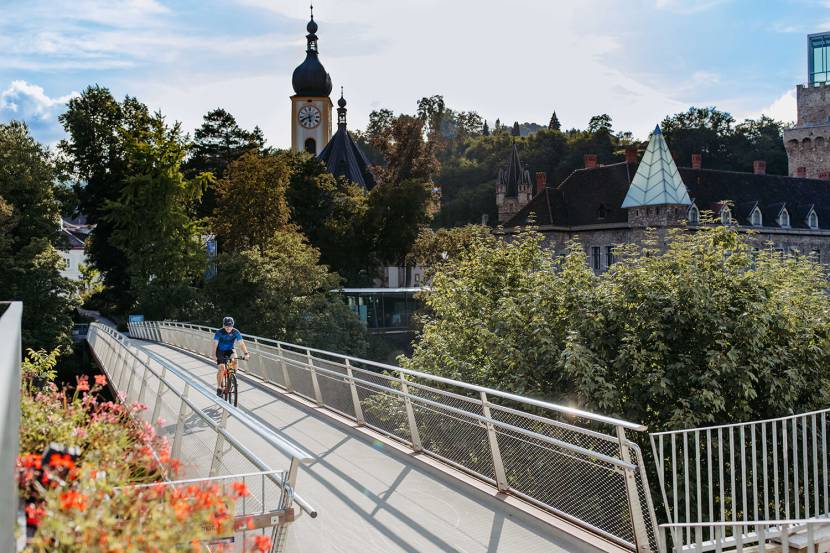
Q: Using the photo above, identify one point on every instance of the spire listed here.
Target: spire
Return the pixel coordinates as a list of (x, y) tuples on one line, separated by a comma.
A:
[(514, 174), (657, 181), (341, 110), (310, 77), (312, 30)]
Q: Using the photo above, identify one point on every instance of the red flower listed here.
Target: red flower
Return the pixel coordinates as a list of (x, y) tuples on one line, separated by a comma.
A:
[(83, 384), (262, 543), (34, 514), (240, 489), (71, 499), (100, 380), (61, 460)]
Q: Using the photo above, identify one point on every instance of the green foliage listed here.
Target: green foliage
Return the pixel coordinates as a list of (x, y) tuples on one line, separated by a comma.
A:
[(39, 366), (434, 248), (94, 154), (151, 218), (281, 292), (251, 202), (216, 144), (29, 240), (707, 331)]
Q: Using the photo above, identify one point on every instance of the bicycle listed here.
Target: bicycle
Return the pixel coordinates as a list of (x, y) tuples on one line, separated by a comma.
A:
[(230, 386)]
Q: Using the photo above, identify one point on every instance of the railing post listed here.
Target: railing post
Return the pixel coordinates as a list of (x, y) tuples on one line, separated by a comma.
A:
[(495, 452), (634, 507), (143, 381), (132, 373), (160, 393), (220, 443), (259, 365), (410, 415), (358, 410), (318, 397), (286, 377), (177, 439)]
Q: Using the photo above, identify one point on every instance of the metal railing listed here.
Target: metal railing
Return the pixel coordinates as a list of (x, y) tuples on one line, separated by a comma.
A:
[(200, 426), (10, 358), (769, 470), (773, 536), (577, 465)]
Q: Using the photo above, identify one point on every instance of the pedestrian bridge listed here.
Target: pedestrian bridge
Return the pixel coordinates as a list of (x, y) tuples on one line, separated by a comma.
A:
[(344, 454)]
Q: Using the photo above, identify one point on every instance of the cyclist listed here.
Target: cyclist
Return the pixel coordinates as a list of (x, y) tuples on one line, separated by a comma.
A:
[(223, 343)]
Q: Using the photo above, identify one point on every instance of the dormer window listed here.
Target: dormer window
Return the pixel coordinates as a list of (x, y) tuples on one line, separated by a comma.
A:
[(784, 219), (725, 215), (755, 218), (812, 220), (694, 215)]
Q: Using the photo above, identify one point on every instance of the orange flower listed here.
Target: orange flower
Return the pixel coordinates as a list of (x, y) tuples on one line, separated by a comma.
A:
[(59, 460), (240, 489), (100, 380), (72, 499), (262, 543), (83, 384), (182, 509)]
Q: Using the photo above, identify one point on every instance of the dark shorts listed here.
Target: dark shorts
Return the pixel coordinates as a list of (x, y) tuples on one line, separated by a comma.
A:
[(222, 356)]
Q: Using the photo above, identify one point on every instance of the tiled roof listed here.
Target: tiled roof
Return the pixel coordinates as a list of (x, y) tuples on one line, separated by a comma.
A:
[(343, 157), (587, 193), (657, 181)]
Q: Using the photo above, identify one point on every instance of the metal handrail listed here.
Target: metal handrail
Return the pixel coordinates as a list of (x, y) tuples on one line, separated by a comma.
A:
[(295, 453), (609, 463), (10, 329), (572, 411)]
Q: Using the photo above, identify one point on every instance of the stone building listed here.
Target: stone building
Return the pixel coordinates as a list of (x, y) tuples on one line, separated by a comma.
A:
[(513, 189), (808, 143), (604, 206)]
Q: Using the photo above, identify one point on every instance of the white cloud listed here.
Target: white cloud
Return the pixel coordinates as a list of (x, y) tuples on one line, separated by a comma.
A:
[(26, 101), (687, 7), (783, 108)]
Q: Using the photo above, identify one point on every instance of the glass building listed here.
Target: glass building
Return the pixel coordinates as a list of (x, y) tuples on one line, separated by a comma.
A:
[(383, 310), (818, 58)]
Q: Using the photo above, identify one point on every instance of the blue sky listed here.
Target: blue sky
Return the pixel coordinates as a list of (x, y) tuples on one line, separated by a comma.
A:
[(636, 60)]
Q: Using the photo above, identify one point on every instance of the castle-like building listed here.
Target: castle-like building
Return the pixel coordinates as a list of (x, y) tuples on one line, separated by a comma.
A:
[(311, 118), (607, 205)]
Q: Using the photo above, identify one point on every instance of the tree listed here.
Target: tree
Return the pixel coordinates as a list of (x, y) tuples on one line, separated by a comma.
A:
[(281, 291), (331, 213), (434, 248), (516, 130), (396, 213), (600, 124), (431, 111), (94, 154), (554, 124), (251, 202), (701, 130), (216, 144), (704, 332), (29, 240), (485, 130), (406, 153), (152, 222)]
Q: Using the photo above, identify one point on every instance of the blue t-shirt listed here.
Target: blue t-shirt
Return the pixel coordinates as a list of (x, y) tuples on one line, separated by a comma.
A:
[(227, 339)]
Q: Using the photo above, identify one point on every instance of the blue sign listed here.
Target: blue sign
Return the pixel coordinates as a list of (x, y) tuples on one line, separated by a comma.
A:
[(136, 318)]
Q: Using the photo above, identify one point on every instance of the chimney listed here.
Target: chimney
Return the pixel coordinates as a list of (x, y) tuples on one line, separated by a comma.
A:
[(541, 181), (801, 172), (759, 167), (696, 161), (590, 161), (824, 175), (631, 154)]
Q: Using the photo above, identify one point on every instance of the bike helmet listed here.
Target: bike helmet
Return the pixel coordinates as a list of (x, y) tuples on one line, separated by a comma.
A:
[(227, 321)]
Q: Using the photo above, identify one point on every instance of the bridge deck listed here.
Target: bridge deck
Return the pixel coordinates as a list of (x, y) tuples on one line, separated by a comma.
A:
[(371, 497)]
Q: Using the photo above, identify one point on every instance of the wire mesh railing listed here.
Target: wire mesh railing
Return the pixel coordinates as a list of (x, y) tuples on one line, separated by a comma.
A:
[(200, 427), (577, 465), (767, 470)]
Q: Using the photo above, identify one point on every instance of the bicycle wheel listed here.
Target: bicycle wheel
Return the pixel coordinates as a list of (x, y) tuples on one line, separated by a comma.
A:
[(233, 389)]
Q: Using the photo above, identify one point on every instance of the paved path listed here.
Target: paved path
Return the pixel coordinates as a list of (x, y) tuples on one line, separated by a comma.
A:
[(372, 498)]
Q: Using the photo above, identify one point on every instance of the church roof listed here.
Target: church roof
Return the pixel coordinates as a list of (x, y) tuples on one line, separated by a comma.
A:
[(514, 174), (343, 157), (310, 77), (657, 181)]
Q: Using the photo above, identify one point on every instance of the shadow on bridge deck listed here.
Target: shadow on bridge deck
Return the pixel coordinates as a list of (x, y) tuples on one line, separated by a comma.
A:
[(372, 496)]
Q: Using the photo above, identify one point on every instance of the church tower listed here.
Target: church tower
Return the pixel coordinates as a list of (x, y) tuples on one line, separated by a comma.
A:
[(310, 105), (513, 190)]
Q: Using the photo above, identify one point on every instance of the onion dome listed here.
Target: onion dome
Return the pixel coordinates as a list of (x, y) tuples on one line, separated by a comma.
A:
[(310, 77)]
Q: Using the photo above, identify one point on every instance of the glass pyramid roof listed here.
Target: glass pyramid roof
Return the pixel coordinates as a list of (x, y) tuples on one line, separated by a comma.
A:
[(657, 181)]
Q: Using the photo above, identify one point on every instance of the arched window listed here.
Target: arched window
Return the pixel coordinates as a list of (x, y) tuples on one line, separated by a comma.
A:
[(756, 218), (725, 216), (784, 218), (311, 146), (694, 215), (812, 220)]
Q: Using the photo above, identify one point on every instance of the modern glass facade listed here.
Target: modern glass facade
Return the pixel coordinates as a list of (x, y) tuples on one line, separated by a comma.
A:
[(818, 58), (383, 310)]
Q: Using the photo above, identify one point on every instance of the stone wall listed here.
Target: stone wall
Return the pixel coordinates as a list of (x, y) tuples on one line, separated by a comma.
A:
[(808, 143)]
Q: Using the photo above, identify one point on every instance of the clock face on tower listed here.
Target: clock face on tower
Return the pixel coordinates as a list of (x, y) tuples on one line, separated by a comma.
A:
[(309, 117)]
